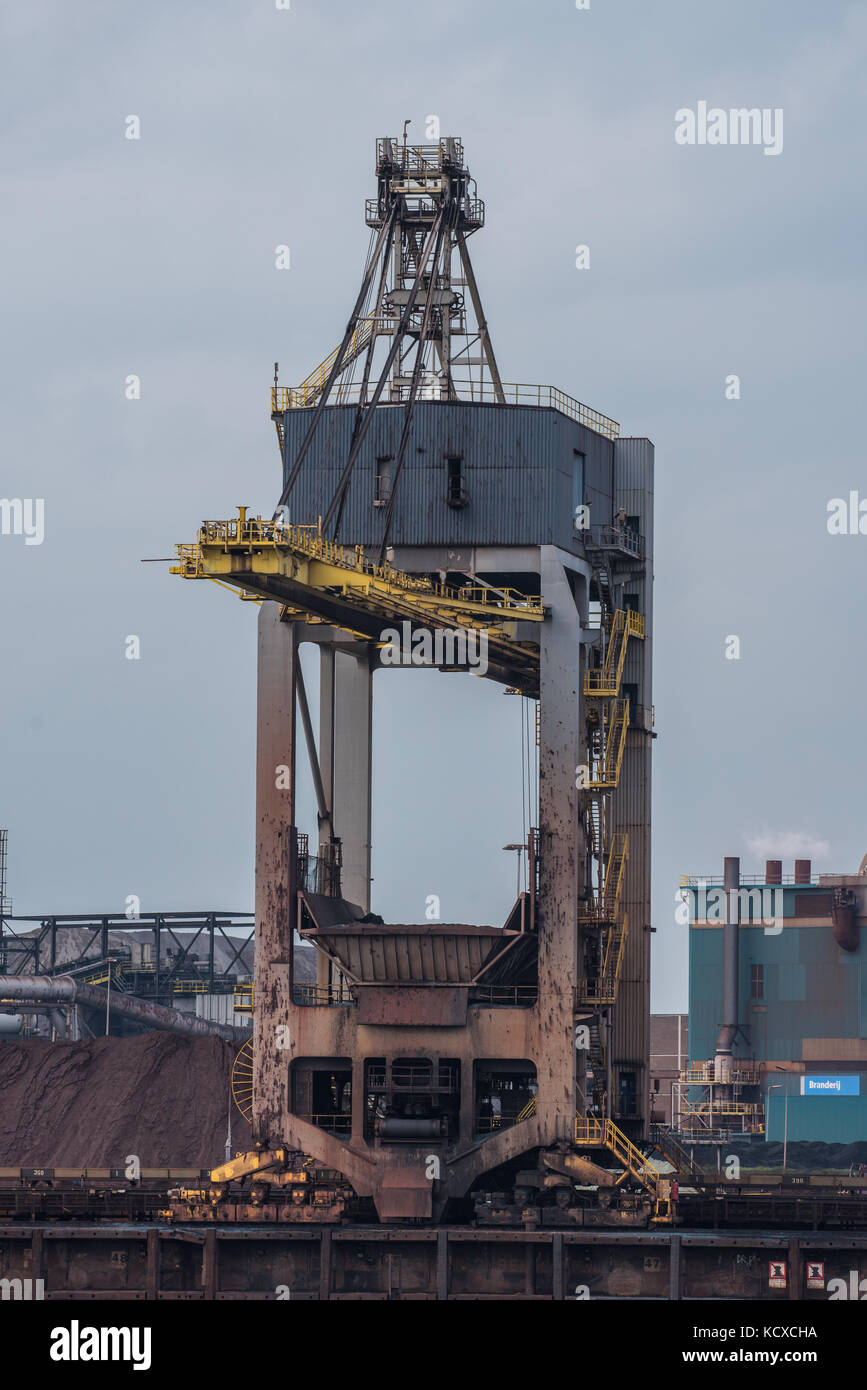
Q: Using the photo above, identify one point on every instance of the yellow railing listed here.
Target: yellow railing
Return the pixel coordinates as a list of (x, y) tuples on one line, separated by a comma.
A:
[(742, 1074), (614, 871), (602, 989), (604, 1134), (720, 1107), (528, 1110), (190, 987), (242, 999), (485, 392), (605, 682), (604, 907), (322, 994), (615, 745), (249, 534), (297, 397)]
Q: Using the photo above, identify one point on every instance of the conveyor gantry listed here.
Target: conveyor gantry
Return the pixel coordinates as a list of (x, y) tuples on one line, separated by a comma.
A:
[(319, 581)]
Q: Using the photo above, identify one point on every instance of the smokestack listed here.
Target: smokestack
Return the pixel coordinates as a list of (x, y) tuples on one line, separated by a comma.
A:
[(773, 871), (728, 1032), (802, 870)]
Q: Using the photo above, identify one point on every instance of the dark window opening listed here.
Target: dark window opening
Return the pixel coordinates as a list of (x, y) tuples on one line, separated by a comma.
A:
[(382, 480), (577, 487), (757, 982), (412, 1100), (456, 492), (322, 1093), (627, 1092), (505, 1093), (629, 691)]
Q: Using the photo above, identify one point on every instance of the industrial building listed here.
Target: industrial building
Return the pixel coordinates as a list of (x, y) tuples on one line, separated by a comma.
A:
[(441, 1109), (506, 531), (669, 1051), (777, 1005)]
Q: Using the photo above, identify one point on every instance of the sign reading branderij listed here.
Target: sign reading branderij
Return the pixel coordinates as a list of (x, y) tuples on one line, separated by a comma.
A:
[(830, 1085)]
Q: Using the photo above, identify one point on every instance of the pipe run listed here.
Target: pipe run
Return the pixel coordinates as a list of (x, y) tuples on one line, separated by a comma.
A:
[(728, 1032), (63, 987)]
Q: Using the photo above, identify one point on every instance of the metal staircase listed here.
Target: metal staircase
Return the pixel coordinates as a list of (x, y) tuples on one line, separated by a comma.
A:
[(662, 1139), (602, 914), (604, 1134)]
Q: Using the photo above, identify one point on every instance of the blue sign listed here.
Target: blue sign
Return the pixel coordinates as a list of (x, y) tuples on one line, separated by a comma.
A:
[(830, 1085)]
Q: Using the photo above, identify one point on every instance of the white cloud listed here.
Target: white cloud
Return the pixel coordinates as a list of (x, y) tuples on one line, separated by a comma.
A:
[(787, 844)]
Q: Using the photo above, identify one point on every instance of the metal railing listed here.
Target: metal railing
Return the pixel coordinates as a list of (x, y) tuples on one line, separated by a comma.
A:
[(605, 681), (336, 1124), (313, 995), (720, 1107), (613, 538), (605, 1134), (743, 1074), (256, 533), (476, 392), (522, 996), (604, 906), (485, 1123), (607, 774), (298, 397), (420, 159), (242, 999), (715, 880)]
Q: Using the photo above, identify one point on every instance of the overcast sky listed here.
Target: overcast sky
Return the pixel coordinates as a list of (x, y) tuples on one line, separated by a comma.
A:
[(155, 257)]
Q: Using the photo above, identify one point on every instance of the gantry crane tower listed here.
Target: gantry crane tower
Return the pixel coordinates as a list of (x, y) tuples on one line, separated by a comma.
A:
[(421, 492)]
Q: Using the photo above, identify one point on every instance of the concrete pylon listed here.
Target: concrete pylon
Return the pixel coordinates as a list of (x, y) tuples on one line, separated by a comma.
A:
[(346, 759), (276, 850), (561, 840)]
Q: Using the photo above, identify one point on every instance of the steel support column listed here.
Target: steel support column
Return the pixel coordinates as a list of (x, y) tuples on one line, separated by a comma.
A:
[(561, 848), (346, 756), (275, 867)]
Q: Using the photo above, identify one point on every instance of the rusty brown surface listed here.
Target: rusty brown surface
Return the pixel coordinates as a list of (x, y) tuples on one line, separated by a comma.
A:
[(413, 1007), (117, 1263), (275, 868)]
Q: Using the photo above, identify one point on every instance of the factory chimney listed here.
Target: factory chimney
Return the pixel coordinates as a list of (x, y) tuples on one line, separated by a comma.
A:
[(724, 1043)]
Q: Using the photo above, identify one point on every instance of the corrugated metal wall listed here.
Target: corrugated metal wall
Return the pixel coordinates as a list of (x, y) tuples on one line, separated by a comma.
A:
[(633, 491), (517, 466), (829, 1119), (811, 989)]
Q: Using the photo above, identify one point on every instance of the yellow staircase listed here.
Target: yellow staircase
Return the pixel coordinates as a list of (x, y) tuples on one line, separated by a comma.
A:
[(604, 1134), (605, 681), (607, 773), (610, 716), (297, 397)]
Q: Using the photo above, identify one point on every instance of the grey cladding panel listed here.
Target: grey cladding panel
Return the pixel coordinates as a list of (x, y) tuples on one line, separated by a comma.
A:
[(517, 468)]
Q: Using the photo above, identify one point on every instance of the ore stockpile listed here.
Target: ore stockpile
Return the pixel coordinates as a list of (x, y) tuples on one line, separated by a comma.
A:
[(91, 1104)]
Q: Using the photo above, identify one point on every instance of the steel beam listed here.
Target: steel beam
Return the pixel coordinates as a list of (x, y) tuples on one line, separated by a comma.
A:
[(47, 987)]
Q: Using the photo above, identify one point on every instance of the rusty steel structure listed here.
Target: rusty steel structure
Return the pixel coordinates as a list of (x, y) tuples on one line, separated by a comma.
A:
[(448, 513), (120, 1261), (62, 989)]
